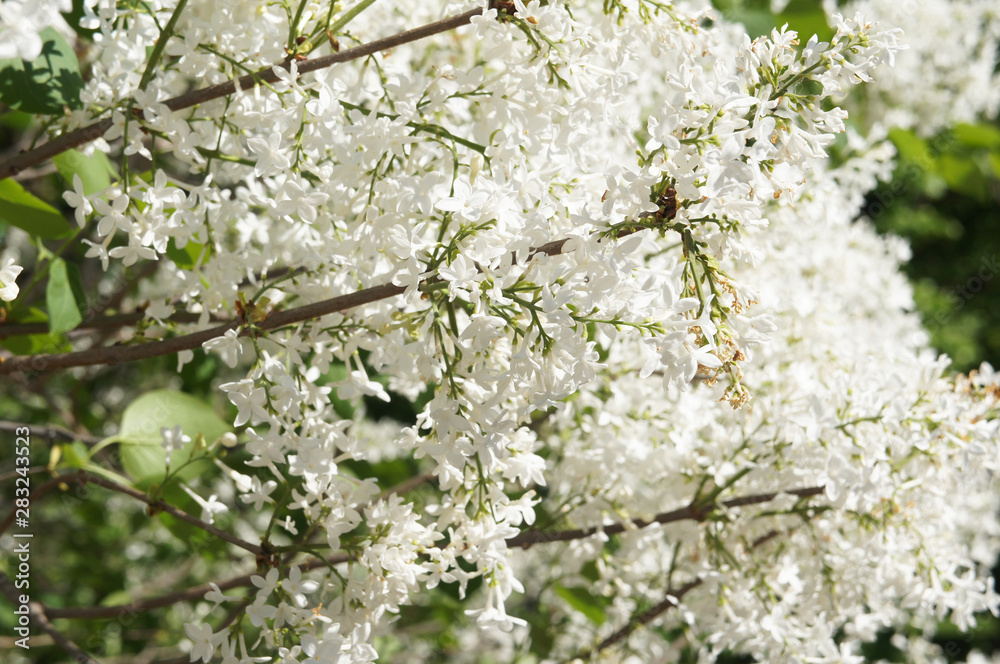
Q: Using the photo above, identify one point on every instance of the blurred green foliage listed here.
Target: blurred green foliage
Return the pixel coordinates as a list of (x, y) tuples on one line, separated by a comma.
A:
[(944, 199), (804, 16)]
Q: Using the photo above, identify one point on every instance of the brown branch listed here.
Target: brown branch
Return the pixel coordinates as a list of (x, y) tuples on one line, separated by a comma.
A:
[(97, 323), (56, 146), (550, 248), (82, 477), (112, 354), (529, 538), (407, 485), (51, 432), (197, 592), (33, 470), (116, 354), (159, 505), (37, 613), (94, 131), (671, 600), (188, 594)]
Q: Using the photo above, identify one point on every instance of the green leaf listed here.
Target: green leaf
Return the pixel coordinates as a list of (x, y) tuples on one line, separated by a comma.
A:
[(962, 175), (187, 257), (74, 455), (911, 147), (994, 159), (807, 18), (199, 542), (29, 213), (91, 467), (590, 572), (977, 135), (345, 409), (756, 22), (64, 297), (142, 453), (73, 17), (388, 473), (95, 171), (755, 15), (920, 222), (116, 598), (16, 120), (588, 604), (46, 84), (145, 416), (35, 344)]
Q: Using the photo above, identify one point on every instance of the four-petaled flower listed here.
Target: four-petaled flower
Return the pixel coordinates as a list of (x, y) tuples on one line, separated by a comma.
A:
[(469, 204), (173, 439), (8, 277), (270, 159)]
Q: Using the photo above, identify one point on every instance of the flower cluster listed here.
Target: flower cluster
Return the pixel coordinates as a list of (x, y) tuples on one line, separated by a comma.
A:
[(21, 22), (946, 72), (656, 366)]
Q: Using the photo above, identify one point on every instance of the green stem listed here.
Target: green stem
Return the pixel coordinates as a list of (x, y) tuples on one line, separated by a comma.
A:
[(215, 154), (293, 26), (434, 129), (349, 15), (161, 43)]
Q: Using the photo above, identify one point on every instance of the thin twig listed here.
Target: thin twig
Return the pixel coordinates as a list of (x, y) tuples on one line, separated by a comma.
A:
[(21, 472), (94, 131), (407, 485), (82, 477), (529, 538), (37, 613), (95, 612), (51, 432), (671, 600), (94, 322), (188, 594), (97, 323), (98, 612), (197, 592), (112, 354), (90, 478), (117, 354)]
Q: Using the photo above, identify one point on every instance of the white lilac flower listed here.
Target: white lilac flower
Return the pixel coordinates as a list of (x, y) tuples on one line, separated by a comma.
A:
[(78, 200), (270, 158), (228, 346), (8, 280), (209, 507), (20, 23), (173, 439), (204, 641)]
